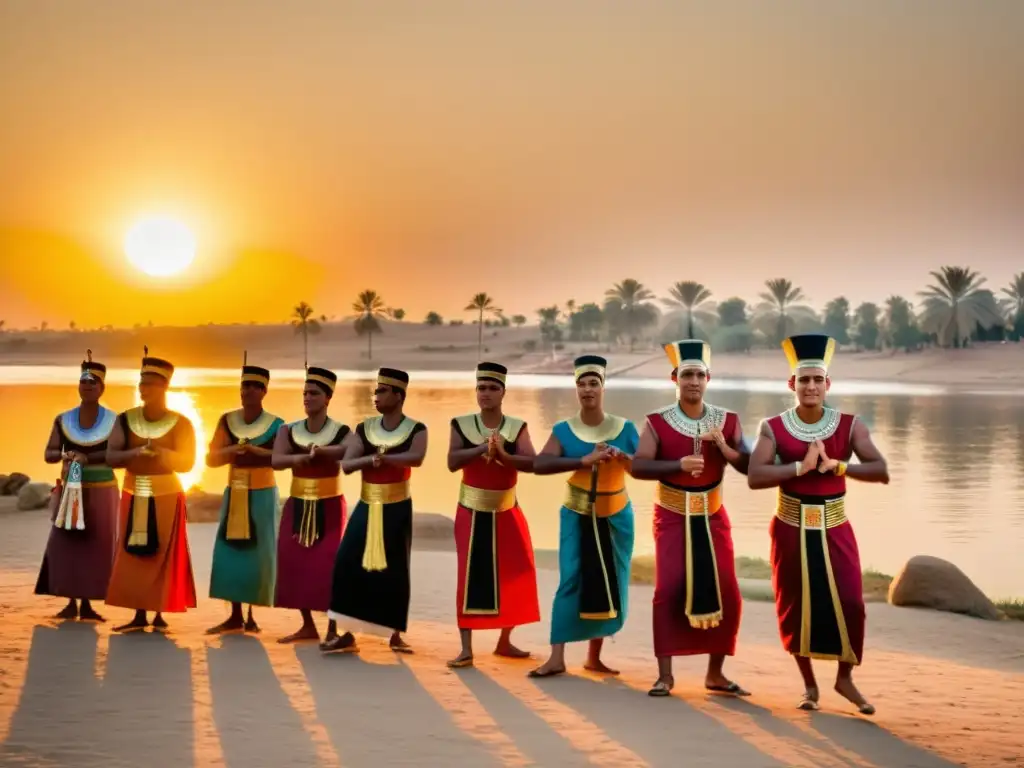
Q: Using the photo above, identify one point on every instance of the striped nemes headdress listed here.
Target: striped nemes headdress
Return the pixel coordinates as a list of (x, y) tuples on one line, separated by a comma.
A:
[(393, 377), (689, 353), (156, 365), (91, 370), (809, 350), (492, 372), (592, 365), (322, 378)]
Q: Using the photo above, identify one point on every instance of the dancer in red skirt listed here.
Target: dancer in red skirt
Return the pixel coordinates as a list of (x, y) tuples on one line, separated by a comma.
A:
[(687, 446), (819, 596), (497, 579)]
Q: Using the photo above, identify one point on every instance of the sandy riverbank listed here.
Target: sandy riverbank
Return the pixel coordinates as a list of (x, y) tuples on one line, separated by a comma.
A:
[(415, 346), (945, 687)]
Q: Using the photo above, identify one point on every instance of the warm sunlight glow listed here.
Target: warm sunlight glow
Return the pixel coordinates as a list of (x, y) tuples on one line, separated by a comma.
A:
[(160, 246), (185, 404)]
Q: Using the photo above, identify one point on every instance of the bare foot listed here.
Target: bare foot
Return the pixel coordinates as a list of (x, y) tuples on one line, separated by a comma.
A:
[(88, 614), (464, 659), (510, 651), (845, 688), (547, 669), (252, 627), (231, 625), (345, 643), (306, 632), (600, 667), (135, 625), (159, 624)]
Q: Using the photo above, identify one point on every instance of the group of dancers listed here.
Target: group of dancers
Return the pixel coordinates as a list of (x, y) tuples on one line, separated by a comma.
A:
[(130, 549)]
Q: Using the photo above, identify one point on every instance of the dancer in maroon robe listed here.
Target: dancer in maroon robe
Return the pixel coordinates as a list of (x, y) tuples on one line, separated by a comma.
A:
[(686, 446), (815, 562)]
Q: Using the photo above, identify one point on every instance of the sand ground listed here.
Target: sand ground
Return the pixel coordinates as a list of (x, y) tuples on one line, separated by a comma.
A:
[(946, 688)]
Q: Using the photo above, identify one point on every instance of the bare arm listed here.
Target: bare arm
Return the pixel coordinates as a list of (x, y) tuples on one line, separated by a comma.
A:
[(646, 465), (458, 457), (525, 455), (872, 467), (282, 456), (54, 452), (221, 450), (411, 458), (763, 472), (550, 460), (182, 457), (736, 454), (354, 460), (118, 454)]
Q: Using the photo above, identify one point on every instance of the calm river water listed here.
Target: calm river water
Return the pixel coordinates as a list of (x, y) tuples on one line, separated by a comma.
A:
[(957, 461)]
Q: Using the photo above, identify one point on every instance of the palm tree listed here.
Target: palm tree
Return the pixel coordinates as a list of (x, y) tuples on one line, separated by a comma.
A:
[(481, 303), (630, 304), (1013, 304), (517, 320), (370, 310), (398, 314), (956, 304), (692, 299), (779, 304), (303, 322)]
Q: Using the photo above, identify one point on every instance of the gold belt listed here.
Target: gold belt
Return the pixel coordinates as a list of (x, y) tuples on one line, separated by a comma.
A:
[(376, 495), (315, 488), (241, 480), (606, 503), (145, 486), (111, 483), (486, 499), (683, 502), (793, 512), (252, 478)]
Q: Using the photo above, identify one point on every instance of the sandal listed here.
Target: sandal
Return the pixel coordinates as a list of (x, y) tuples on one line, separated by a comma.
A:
[(340, 644), (808, 704), (460, 663), (662, 687), (731, 688), (550, 673)]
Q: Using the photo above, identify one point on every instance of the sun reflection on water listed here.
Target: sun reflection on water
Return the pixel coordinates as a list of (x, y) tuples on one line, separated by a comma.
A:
[(185, 404)]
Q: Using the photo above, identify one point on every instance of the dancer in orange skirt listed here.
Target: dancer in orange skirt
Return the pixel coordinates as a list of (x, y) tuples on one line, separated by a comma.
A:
[(497, 579), (152, 569)]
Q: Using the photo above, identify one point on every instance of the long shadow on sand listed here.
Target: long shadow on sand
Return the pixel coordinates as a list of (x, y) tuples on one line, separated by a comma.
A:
[(146, 700), (55, 723), (253, 715), (661, 731), (363, 705), (531, 734)]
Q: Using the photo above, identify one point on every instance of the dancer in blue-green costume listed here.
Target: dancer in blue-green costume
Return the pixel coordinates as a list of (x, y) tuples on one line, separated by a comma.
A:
[(596, 521), (245, 549)]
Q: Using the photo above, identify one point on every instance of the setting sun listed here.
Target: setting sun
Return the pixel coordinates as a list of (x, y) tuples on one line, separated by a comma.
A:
[(160, 246)]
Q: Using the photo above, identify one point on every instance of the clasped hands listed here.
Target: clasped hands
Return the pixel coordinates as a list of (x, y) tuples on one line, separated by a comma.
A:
[(496, 449), (818, 458), (602, 454)]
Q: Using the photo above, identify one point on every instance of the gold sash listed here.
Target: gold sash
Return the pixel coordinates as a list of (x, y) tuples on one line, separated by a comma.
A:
[(606, 504), (310, 490), (241, 480), (375, 496), (702, 504), (793, 512), (486, 499), (143, 488)]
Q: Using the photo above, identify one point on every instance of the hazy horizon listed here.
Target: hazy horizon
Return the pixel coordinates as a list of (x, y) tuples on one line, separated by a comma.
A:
[(538, 151)]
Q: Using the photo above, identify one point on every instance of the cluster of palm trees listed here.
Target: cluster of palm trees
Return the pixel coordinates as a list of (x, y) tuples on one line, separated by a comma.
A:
[(953, 310)]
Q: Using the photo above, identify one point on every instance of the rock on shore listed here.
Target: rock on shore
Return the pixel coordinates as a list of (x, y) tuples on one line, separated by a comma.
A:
[(931, 582)]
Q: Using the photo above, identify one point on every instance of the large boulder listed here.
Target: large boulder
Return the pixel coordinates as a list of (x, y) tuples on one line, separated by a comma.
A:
[(931, 582), (14, 483), (34, 495)]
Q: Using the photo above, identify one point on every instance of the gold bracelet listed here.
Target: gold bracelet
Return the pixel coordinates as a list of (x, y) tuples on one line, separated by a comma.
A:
[(840, 469), (799, 467)]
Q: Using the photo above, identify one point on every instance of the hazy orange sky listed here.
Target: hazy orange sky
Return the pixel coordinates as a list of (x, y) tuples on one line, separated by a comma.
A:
[(538, 150)]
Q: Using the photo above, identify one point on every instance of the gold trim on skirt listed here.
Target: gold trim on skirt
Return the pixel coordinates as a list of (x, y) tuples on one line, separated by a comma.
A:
[(241, 480), (486, 499), (792, 511), (143, 488), (684, 502), (375, 496), (315, 488)]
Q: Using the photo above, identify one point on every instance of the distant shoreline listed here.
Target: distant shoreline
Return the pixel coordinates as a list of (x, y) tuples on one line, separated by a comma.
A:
[(995, 367)]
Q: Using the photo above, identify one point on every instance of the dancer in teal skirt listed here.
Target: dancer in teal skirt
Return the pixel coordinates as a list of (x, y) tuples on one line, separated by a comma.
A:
[(245, 550), (596, 521)]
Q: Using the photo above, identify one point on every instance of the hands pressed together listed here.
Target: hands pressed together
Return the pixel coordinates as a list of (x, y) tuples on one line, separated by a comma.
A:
[(817, 458), (602, 454)]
